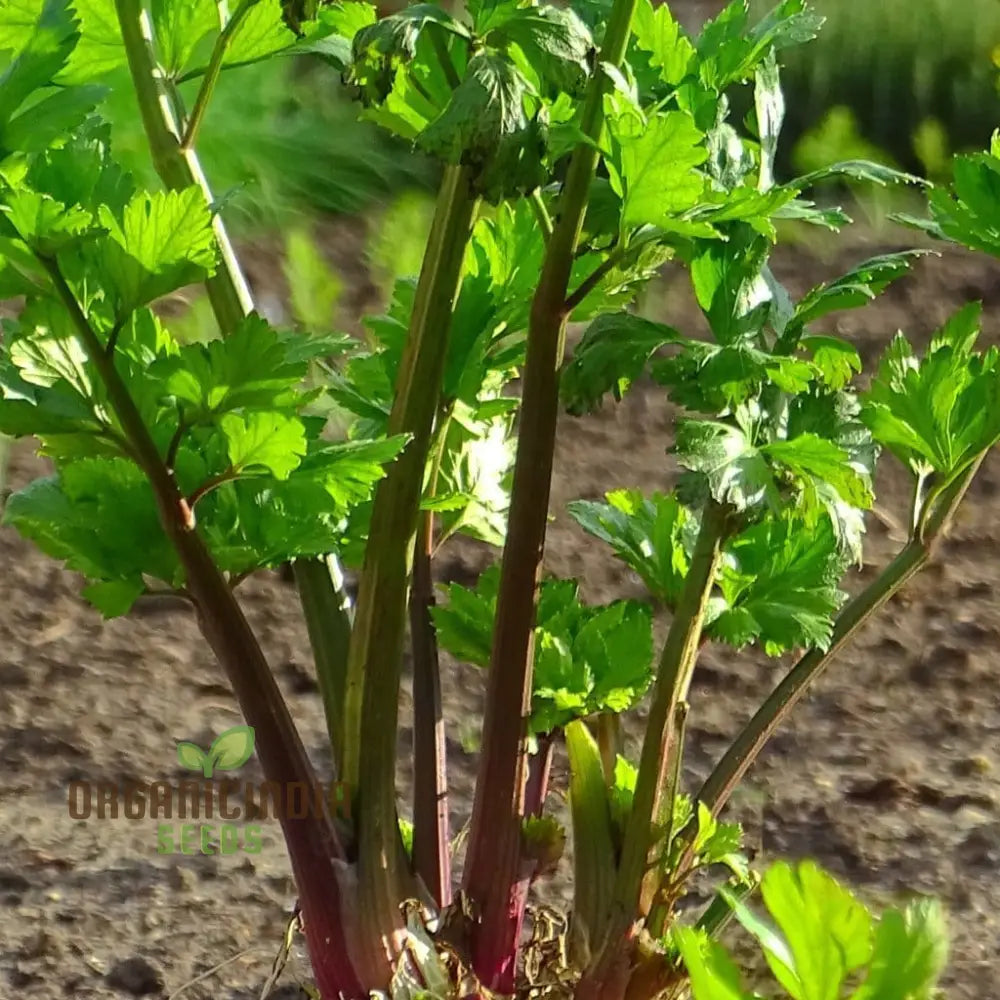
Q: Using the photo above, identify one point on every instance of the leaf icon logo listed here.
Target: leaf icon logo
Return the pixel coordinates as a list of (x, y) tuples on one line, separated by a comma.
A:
[(229, 750)]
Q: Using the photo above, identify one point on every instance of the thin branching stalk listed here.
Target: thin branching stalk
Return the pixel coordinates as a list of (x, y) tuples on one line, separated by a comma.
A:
[(680, 651), (746, 748), (431, 829), (491, 870), (317, 853), (324, 603), (608, 733), (375, 661), (212, 73), (327, 611), (431, 825), (179, 168)]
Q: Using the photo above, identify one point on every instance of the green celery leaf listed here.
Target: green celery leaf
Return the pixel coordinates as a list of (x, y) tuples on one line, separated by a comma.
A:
[(910, 953), (829, 933), (658, 33), (713, 974), (835, 416), (465, 624), (730, 50), (99, 516), (728, 285), (735, 470), (55, 409), (44, 224), (707, 378), (161, 242), (487, 126), (45, 51), (610, 357), (380, 48), (475, 472), (349, 470), (715, 843), (114, 598), (45, 349), (250, 368), (17, 23), (587, 659), (261, 33), (778, 584), (858, 170), (836, 360), (81, 173), (263, 442), (50, 120), (653, 535), (251, 524), (855, 288), (100, 50), (939, 412), (556, 43), (659, 178), (810, 456), (769, 103), (331, 33)]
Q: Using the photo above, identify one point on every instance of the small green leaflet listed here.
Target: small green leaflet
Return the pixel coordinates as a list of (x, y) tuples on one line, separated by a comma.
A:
[(910, 953), (965, 212), (100, 50), (250, 368), (835, 417), (811, 457), (653, 535), (855, 288), (473, 490), (715, 843), (727, 282), (41, 56), (708, 378), (161, 242), (261, 32), (179, 26), (778, 586), (381, 47), (713, 974), (658, 33), (937, 413), (611, 355), (828, 933), (264, 442), (100, 518), (819, 938), (836, 360), (730, 50), (587, 659), (349, 470)]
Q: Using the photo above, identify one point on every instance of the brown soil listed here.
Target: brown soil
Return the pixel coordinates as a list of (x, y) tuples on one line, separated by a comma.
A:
[(887, 773)]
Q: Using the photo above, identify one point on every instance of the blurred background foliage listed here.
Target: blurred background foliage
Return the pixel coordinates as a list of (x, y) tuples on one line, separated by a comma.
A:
[(914, 79)]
